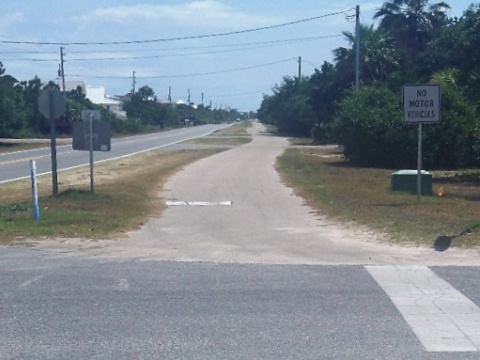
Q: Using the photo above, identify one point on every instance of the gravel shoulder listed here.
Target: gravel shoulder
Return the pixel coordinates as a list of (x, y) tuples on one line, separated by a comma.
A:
[(233, 208)]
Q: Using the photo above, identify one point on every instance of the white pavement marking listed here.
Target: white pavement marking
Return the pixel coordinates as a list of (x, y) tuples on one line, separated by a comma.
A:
[(197, 203), (443, 319), (176, 203), (31, 281), (123, 285)]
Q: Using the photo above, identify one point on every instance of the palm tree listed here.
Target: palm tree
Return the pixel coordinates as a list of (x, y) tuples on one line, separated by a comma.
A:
[(378, 56), (411, 22)]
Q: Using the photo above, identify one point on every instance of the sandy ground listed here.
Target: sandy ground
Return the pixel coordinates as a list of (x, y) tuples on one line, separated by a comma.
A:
[(232, 207)]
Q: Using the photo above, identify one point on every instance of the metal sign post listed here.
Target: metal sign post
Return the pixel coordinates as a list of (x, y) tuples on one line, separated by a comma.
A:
[(51, 104), (53, 142), (91, 115), (421, 105), (90, 126), (90, 135), (419, 163)]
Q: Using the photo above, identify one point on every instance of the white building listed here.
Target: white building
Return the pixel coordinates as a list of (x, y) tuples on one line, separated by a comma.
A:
[(96, 94)]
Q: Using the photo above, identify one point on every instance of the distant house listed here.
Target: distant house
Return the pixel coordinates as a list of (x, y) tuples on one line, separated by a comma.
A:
[(96, 94), (185, 103)]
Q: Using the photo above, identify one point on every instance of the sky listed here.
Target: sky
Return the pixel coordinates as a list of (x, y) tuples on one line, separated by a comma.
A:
[(230, 52)]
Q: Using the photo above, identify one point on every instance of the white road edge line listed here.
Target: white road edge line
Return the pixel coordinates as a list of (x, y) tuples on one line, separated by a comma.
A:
[(443, 319), (115, 158)]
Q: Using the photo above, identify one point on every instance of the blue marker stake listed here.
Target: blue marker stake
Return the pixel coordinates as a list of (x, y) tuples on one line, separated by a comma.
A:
[(33, 175)]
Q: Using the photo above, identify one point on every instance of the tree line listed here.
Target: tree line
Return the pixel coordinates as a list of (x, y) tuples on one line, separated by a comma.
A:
[(414, 43), (20, 117)]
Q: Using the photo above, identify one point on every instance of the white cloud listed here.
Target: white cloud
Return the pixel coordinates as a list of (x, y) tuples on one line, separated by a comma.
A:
[(200, 13), (10, 19)]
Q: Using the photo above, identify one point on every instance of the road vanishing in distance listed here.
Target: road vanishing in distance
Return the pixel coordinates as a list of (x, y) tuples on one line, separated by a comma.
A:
[(15, 166)]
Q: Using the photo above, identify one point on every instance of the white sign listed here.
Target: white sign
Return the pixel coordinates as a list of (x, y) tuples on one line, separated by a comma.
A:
[(421, 104)]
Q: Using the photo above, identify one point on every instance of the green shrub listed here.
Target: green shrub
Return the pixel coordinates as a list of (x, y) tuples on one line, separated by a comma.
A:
[(370, 128)]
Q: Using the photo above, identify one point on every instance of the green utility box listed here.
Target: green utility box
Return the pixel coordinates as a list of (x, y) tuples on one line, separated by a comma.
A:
[(406, 180)]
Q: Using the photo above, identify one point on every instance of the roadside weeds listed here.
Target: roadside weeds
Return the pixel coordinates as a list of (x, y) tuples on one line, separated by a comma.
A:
[(331, 185)]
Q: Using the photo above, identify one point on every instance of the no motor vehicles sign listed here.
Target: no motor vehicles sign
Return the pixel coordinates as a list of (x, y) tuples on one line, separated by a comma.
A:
[(421, 104)]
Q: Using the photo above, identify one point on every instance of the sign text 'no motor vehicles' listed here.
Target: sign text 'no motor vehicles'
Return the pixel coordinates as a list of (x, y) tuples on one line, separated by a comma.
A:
[(421, 104)]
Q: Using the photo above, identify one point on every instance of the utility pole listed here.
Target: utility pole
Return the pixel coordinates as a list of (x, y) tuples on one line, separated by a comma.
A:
[(188, 97), (357, 47), (202, 98), (133, 83), (299, 68), (61, 69), (170, 94)]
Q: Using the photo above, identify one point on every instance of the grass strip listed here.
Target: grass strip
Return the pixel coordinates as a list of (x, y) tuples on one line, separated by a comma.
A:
[(333, 186), (126, 194), (233, 135), (239, 129)]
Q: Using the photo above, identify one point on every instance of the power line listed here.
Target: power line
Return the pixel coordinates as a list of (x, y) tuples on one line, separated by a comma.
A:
[(311, 38), (281, 41), (272, 44), (309, 63), (188, 75), (191, 37), (219, 72), (166, 55), (261, 45)]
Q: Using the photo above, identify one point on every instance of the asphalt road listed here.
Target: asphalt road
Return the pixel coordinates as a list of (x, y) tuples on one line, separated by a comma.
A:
[(14, 166), (238, 267), (54, 306)]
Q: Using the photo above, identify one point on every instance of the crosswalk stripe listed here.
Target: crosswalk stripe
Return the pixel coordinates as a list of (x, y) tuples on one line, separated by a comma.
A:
[(443, 319)]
